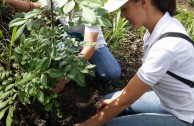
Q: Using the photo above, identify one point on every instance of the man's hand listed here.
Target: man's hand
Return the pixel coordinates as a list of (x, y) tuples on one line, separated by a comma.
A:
[(60, 85)]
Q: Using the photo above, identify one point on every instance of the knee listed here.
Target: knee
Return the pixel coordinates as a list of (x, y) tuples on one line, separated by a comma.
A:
[(114, 74)]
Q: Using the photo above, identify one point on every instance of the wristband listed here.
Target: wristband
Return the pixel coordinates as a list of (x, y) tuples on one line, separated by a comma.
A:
[(29, 5)]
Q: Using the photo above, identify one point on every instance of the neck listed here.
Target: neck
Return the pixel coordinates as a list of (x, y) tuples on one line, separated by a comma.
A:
[(153, 19)]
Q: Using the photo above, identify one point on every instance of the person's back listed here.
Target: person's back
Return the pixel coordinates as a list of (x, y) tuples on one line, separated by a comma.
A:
[(172, 54)]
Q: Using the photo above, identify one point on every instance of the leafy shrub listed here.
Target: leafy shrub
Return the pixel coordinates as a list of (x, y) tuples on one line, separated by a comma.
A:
[(30, 68)]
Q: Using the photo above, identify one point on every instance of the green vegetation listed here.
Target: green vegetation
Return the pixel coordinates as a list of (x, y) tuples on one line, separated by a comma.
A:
[(187, 19), (191, 2), (37, 54)]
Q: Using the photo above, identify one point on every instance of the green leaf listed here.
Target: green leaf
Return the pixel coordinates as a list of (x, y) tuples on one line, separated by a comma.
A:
[(46, 63), (59, 114), (26, 79), (53, 52), (43, 79), (5, 82), (67, 68), (83, 60), (68, 7), (90, 66), (22, 38), (2, 112), (19, 32), (1, 90), (84, 71), (32, 14), (63, 63), (56, 103), (1, 34), (92, 3), (3, 75), (54, 73), (91, 73), (38, 64), (10, 100), (9, 87), (43, 64), (101, 11), (88, 15), (21, 96), (80, 80), (103, 22), (5, 94), (3, 104), (17, 22), (18, 50), (48, 107), (73, 73), (9, 116), (32, 91), (13, 37), (14, 96), (47, 100), (40, 96), (61, 3)]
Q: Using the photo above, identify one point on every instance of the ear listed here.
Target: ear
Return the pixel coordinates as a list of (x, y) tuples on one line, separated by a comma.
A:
[(144, 3)]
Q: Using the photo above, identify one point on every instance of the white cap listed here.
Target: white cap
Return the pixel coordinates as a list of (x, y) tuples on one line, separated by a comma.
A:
[(112, 5)]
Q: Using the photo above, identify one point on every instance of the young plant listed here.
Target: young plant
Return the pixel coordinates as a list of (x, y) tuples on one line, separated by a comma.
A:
[(44, 53), (116, 34)]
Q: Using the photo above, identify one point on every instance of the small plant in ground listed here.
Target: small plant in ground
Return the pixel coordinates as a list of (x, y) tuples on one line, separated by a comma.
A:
[(29, 70), (116, 34)]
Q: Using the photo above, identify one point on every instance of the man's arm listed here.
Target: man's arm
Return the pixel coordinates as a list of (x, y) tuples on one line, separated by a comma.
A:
[(22, 5)]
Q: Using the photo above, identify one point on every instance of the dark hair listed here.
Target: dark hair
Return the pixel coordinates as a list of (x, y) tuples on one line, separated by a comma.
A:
[(165, 5)]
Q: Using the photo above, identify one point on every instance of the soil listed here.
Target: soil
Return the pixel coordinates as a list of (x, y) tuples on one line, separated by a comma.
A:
[(77, 103)]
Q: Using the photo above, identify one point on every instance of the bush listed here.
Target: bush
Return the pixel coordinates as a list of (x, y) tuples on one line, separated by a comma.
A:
[(30, 68)]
